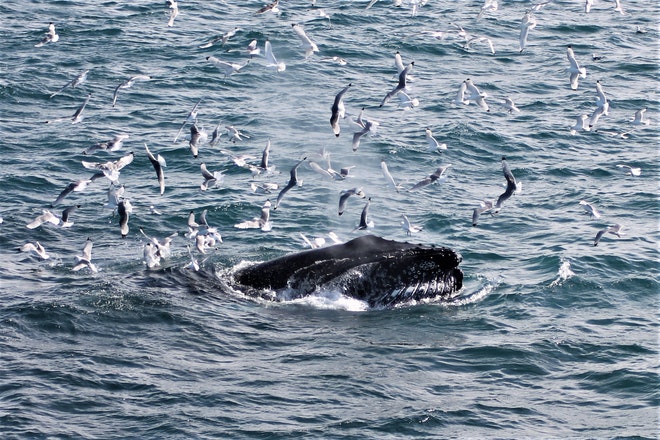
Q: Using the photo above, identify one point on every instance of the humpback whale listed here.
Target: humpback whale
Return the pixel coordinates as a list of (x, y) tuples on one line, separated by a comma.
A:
[(381, 272)]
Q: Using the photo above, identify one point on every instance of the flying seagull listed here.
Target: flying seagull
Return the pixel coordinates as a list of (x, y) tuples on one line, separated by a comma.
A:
[(293, 181), (338, 110)]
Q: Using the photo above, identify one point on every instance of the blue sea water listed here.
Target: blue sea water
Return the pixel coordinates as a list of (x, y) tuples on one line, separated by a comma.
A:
[(551, 336)]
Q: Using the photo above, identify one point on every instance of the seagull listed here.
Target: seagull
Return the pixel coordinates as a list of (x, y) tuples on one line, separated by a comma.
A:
[(111, 169), (580, 124), (174, 11), (323, 14), (460, 33), (602, 106), (400, 86), (575, 70), (488, 6), (622, 135), (211, 232), (434, 145), (77, 186), (51, 36), (192, 118), (293, 181), (265, 156), (511, 185), (409, 227), (226, 67), (224, 38), (193, 226), (151, 255), (36, 248), (215, 136), (342, 174), (263, 166), (640, 118), (329, 172), (510, 105), (414, 4), (210, 179), (112, 145), (388, 176), (197, 138), (484, 206), (49, 217), (77, 116), (335, 59), (437, 174), (635, 172), (85, 260), (315, 243), (587, 5), (527, 23), (365, 223), (595, 116), (460, 96), (370, 127), (590, 209), (478, 39), (613, 229), (194, 265), (128, 84), (264, 188), (161, 247), (235, 134), (252, 48), (272, 7), (309, 46), (158, 164), (115, 193), (406, 102), (318, 242), (203, 243), (476, 95), (205, 236), (345, 194), (400, 67), (618, 8), (338, 110), (540, 5), (241, 160), (601, 99), (262, 222), (271, 61), (124, 208), (75, 82)]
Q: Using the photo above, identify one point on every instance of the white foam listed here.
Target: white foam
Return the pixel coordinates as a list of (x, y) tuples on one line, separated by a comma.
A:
[(331, 300), (564, 272)]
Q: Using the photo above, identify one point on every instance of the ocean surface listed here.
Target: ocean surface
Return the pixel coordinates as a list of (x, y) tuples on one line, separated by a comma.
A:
[(551, 336)]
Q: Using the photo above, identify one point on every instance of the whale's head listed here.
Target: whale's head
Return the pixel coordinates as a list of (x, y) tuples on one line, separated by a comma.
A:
[(381, 272)]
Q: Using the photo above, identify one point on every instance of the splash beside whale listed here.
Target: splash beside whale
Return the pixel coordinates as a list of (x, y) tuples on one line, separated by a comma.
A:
[(381, 272)]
